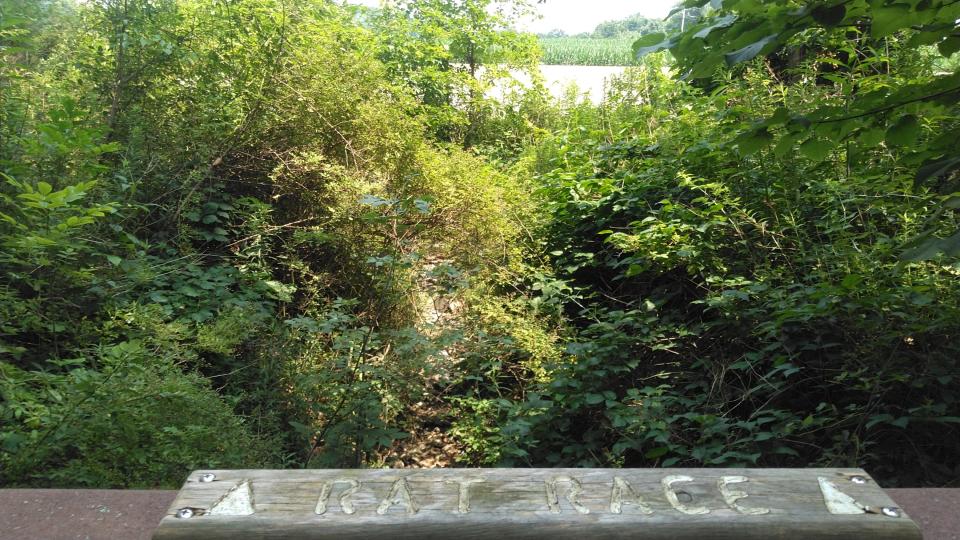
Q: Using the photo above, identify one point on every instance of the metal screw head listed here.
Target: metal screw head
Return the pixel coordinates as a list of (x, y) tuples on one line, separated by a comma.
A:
[(890, 511), (858, 480), (184, 513), (208, 477)]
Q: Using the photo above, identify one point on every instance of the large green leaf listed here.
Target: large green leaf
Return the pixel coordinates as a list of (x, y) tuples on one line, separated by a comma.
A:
[(651, 43), (816, 149), (938, 168), (949, 46), (786, 144), (750, 51), (931, 247), (904, 132), (705, 68), (871, 137), (889, 19), (722, 22), (753, 141)]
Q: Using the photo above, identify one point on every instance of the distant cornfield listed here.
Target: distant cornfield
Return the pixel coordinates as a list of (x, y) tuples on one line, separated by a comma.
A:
[(574, 51)]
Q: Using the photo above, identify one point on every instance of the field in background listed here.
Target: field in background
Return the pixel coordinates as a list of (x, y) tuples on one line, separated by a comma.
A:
[(590, 81), (575, 51)]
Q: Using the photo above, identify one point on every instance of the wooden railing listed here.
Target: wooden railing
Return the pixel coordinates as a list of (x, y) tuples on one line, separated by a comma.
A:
[(535, 503)]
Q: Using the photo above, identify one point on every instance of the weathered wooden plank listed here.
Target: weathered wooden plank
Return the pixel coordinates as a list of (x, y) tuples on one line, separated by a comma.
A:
[(535, 503)]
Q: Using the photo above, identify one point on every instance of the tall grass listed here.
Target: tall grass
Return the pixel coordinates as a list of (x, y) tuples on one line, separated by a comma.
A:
[(575, 51)]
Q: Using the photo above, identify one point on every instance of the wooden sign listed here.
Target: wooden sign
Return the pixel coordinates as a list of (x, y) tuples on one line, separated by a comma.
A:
[(506, 504)]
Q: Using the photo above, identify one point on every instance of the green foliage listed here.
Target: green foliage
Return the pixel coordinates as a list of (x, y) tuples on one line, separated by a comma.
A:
[(870, 101), (48, 256), (235, 197), (732, 305), (267, 233), (133, 420), (355, 381), (451, 53), (634, 25), (507, 342)]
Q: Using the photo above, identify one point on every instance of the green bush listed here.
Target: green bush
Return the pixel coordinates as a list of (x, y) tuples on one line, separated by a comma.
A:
[(226, 229), (133, 420), (735, 311), (215, 222)]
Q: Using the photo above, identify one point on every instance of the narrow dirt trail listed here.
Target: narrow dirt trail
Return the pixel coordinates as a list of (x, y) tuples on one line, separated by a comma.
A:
[(439, 310)]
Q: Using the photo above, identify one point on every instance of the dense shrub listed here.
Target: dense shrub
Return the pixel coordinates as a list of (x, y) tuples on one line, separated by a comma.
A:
[(214, 221), (265, 233), (736, 311)]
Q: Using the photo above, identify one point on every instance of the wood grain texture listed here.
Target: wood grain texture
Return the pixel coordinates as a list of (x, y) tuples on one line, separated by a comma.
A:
[(531, 503)]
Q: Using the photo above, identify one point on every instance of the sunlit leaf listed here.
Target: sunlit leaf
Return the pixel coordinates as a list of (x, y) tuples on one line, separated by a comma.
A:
[(651, 43)]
